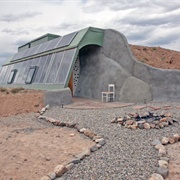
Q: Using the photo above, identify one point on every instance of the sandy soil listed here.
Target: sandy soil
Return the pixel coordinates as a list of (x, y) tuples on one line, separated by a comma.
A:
[(157, 56), (29, 150), (174, 165), (24, 101)]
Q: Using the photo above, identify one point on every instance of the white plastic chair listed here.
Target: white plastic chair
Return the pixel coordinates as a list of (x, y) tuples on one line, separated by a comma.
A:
[(109, 95)]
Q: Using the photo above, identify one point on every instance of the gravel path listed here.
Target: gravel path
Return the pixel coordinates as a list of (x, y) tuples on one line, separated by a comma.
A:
[(127, 155)]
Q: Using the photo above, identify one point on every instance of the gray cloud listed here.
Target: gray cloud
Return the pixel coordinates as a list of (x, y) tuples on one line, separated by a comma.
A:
[(15, 32), (4, 56), (20, 42), (165, 39), (156, 19), (19, 17)]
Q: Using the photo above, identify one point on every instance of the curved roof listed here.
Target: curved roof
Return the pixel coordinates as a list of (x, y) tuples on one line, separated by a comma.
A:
[(77, 40)]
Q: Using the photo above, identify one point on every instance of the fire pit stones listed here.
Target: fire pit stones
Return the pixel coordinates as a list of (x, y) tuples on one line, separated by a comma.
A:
[(147, 120)]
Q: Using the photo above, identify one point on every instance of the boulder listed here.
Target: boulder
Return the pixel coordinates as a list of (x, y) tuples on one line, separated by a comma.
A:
[(114, 120), (80, 156), (82, 130), (165, 140), (162, 171), (163, 163), (141, 126), (87, 152), (101, 141), (45, 178), (69, 166), (162, 152), (147, 126), (163, 119), (94, 148), (156, 176), (129, 122), (120, 120), (155, 142), (97, 137), (171, 140), (89, 133), (59, 170), (159, 146), (176, 137), (152, 125), (52, 175), (165, 159), (161, 125)]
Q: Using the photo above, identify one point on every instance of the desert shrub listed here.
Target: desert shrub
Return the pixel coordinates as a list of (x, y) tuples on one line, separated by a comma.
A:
[(3, 90), (16, 90), (154, 48)]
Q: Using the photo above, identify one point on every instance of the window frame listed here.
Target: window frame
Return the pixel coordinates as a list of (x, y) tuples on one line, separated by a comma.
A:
[(33, 74), (10, 81)]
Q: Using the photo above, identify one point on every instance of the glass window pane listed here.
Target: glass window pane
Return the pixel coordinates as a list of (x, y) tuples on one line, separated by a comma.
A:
[(7, 73), (42, 63), (18, 67), (54, 68), (42, 47), (66, 40), (4, 68), (65, 66), (22, 72), (17, 56), (27, 52), (45, 69), (34, 49), (32, 62), (52, 44)]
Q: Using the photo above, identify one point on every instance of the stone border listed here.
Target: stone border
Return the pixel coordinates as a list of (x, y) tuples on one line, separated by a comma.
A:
[(162, 171), (140, 120), (59, 170)]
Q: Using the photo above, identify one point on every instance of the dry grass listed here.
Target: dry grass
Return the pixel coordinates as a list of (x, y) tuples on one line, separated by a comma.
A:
[(3, 90), (16, 90)]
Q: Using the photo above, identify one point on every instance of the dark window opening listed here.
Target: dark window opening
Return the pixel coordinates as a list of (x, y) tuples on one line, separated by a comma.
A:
[(12, 76), (31, 74)]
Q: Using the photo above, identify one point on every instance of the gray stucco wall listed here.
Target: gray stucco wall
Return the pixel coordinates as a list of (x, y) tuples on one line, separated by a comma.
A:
[(134, 81), (58, 97)]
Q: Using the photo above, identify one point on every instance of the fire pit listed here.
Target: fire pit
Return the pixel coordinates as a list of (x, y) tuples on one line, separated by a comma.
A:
[(146, 120)]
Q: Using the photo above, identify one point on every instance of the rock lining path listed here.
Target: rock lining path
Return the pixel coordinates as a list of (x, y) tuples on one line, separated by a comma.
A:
[(127, 155)]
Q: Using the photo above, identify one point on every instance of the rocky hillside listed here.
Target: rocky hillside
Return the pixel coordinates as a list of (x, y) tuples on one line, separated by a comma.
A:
[(157, 56)]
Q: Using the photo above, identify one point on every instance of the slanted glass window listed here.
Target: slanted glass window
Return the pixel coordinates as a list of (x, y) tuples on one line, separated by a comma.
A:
[(31, 74), (45, 70), (3, 72), (12, 76), (54, 68), (65, 66), (41, 65)]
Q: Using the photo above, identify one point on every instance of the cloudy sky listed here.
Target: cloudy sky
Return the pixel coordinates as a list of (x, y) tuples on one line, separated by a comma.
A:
[(143, 22)]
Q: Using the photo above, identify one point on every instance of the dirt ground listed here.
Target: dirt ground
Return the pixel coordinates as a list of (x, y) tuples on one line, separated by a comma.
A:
[(18, 101), (157, 56), (30, 150), (174, 165)]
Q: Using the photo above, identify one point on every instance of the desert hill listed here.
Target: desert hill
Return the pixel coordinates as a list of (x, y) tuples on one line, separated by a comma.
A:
[(157, 56)]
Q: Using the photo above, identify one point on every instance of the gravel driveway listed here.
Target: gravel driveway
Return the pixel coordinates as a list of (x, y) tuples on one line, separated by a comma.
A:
[(127, 155)]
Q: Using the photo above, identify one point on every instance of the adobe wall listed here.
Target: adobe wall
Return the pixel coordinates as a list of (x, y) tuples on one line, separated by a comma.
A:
[(134, 81)]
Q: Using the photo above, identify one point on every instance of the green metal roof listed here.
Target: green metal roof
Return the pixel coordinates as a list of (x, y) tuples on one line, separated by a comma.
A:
[(87, 36)]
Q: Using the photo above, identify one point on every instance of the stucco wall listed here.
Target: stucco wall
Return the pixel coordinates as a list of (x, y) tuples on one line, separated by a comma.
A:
[(134, 81)]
